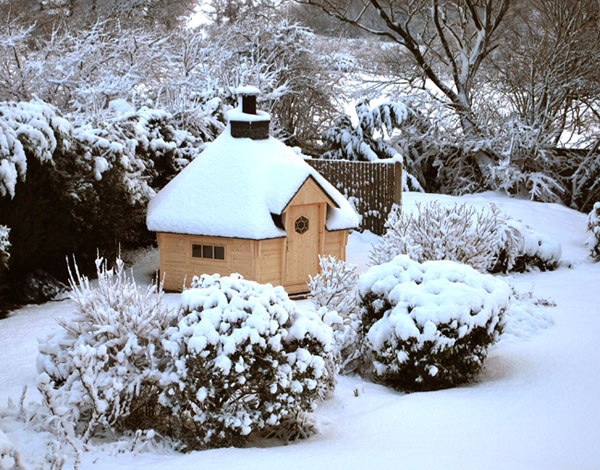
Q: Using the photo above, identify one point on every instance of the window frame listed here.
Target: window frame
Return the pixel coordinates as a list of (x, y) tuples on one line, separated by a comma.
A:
[(201, 247)]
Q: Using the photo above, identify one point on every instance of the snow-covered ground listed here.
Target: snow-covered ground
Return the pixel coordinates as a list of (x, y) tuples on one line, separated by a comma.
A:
[(535, 406)]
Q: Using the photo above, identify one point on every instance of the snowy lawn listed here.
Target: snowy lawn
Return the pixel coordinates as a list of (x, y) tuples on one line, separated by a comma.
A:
[(535, 406)]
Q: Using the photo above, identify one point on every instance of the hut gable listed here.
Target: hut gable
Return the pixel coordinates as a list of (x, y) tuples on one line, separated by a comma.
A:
[(311, 192), (234, 188)]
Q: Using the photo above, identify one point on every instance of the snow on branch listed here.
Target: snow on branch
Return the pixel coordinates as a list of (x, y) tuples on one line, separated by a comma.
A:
[(364, 142), (4, 246)]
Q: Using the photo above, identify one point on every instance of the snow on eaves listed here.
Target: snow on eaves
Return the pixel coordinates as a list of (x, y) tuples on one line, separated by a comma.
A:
[(232, 188)]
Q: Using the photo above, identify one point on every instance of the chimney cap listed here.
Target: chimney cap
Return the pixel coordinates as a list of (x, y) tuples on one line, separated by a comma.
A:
[(247, 91)]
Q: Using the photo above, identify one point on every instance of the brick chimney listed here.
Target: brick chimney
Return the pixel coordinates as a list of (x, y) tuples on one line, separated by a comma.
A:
[(245, 120)]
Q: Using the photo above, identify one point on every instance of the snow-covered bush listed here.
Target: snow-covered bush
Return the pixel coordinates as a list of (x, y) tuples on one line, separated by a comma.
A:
[(428, 326), (333, 290), (486, 239), (152, 137), (244, 360), (594, 227), (30, 129), (80, 191), (523, 249), (102, 370)]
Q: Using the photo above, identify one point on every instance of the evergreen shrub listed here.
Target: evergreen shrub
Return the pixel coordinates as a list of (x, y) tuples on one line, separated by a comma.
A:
[(245, 361), (428, 326)]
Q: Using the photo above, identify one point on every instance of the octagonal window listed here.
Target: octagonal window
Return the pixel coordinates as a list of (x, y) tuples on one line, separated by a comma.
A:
[(301, 225)]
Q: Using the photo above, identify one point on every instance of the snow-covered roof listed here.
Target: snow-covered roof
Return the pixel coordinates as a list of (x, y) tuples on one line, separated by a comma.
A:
[(233, 187)]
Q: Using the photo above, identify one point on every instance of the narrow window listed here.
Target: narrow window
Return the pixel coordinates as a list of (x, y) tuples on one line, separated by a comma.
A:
[(219, 252), (207, 251), (196, 251)]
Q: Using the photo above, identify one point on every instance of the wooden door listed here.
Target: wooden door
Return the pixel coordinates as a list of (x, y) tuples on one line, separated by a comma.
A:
[(303, 228)]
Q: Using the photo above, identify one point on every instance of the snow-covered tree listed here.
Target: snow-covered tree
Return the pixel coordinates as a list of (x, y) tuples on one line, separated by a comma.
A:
[(63, 68), (233, 11), (46, 15), (349, 142), (370, 140), (548, 68), (444, 39), (280, 58)]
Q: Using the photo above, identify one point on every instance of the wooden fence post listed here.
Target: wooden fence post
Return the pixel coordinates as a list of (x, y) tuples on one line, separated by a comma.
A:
[(398, 183)]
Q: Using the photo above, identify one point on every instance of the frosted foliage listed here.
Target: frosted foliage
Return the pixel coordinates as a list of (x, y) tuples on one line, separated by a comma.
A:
[(538, 186), (594, 229), (486, 239), (246, 360), (31, 128), (4, 246), (35, 129), (103, 367), (428, 326), (9, 456), (152, 142), (334, 292), (334, 286)]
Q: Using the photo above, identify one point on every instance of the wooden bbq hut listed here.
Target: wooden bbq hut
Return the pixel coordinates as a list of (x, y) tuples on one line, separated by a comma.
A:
[(248, 204)]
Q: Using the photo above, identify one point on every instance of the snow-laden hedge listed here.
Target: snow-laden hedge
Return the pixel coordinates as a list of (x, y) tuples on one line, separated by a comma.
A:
[(236, 358), (594, 229), (83, 187), (486, 239), (428, 326), (245, 360)]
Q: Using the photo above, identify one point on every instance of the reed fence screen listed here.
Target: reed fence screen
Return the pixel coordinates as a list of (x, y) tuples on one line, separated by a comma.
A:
[(371, 188)]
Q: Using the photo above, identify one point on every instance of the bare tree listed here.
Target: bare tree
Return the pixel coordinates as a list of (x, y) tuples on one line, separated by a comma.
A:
[(549, 66), (447, 40), (231, 11)]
